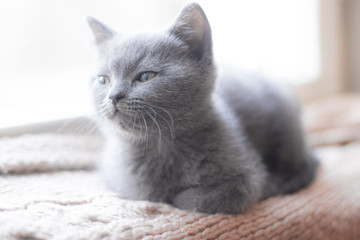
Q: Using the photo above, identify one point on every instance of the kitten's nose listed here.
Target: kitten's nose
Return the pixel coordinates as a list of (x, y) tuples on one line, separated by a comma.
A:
[(116, 97)]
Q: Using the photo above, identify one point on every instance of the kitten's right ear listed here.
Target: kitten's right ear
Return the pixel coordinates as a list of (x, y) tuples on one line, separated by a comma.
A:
[(193, 28), (101, 32)]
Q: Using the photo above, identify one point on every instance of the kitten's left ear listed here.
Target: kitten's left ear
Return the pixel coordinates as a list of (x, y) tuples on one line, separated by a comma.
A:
[(193, 28), (101, 32)]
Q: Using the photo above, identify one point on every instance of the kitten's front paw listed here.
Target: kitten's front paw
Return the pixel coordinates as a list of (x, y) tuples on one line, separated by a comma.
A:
[(225, 198), (188, 199)]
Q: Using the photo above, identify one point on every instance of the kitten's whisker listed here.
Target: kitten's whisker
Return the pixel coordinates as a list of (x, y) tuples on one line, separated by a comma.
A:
[(158, 126), (141, 123), (87, 127), (140, 126), (151, 110), (167, 112), (146, 130), (167, 122), (105, 103), (133, 126), (78, 127)]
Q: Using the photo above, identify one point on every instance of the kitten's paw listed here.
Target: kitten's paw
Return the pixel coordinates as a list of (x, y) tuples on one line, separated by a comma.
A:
[(215, 200), (188, 199)]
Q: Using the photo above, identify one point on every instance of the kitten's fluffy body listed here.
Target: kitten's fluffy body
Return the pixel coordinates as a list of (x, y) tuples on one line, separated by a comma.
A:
[(184, 139)]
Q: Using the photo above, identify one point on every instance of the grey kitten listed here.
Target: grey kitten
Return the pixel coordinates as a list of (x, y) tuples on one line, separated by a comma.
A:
[(175, 136)]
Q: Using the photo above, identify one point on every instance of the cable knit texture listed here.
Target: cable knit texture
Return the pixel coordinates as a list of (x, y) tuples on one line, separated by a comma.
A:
[(49, 190)]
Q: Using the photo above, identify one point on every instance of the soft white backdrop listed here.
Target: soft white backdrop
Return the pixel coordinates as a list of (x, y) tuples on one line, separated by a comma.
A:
[(46, 55)]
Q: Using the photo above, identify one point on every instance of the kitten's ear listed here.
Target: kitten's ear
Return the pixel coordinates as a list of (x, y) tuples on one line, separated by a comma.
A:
[(101, 32), (193, 28)]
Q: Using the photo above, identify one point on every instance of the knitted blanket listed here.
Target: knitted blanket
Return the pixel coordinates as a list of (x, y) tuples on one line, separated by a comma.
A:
[(49, 190)]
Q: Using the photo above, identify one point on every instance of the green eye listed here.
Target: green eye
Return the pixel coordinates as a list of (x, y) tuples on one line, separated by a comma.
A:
[(103, 79), (146, 76)]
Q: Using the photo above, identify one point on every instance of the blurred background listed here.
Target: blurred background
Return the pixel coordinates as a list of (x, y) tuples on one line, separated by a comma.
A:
[(46, 50)]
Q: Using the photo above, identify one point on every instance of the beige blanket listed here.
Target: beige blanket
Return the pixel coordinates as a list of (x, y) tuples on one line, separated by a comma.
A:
[(48, 190)]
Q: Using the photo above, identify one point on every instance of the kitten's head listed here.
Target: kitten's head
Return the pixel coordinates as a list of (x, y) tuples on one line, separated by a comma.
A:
[(154, 83)]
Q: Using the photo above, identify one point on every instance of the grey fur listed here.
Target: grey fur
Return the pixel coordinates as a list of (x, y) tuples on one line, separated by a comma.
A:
[(180, 139)]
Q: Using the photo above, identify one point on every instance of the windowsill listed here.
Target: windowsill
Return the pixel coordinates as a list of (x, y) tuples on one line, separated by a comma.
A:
[(76, 125)]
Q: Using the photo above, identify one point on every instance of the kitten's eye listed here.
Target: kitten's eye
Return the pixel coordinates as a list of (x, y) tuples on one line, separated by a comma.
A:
[(146, 76), (103, 79)]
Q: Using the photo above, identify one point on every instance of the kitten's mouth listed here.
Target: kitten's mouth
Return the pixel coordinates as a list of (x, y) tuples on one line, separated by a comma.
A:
[(127, 121), (131, 123), (142, 122), (120, 115)]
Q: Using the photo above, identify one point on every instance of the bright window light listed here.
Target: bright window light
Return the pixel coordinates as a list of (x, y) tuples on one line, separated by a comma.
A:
[(278, 38), (46, 60)]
